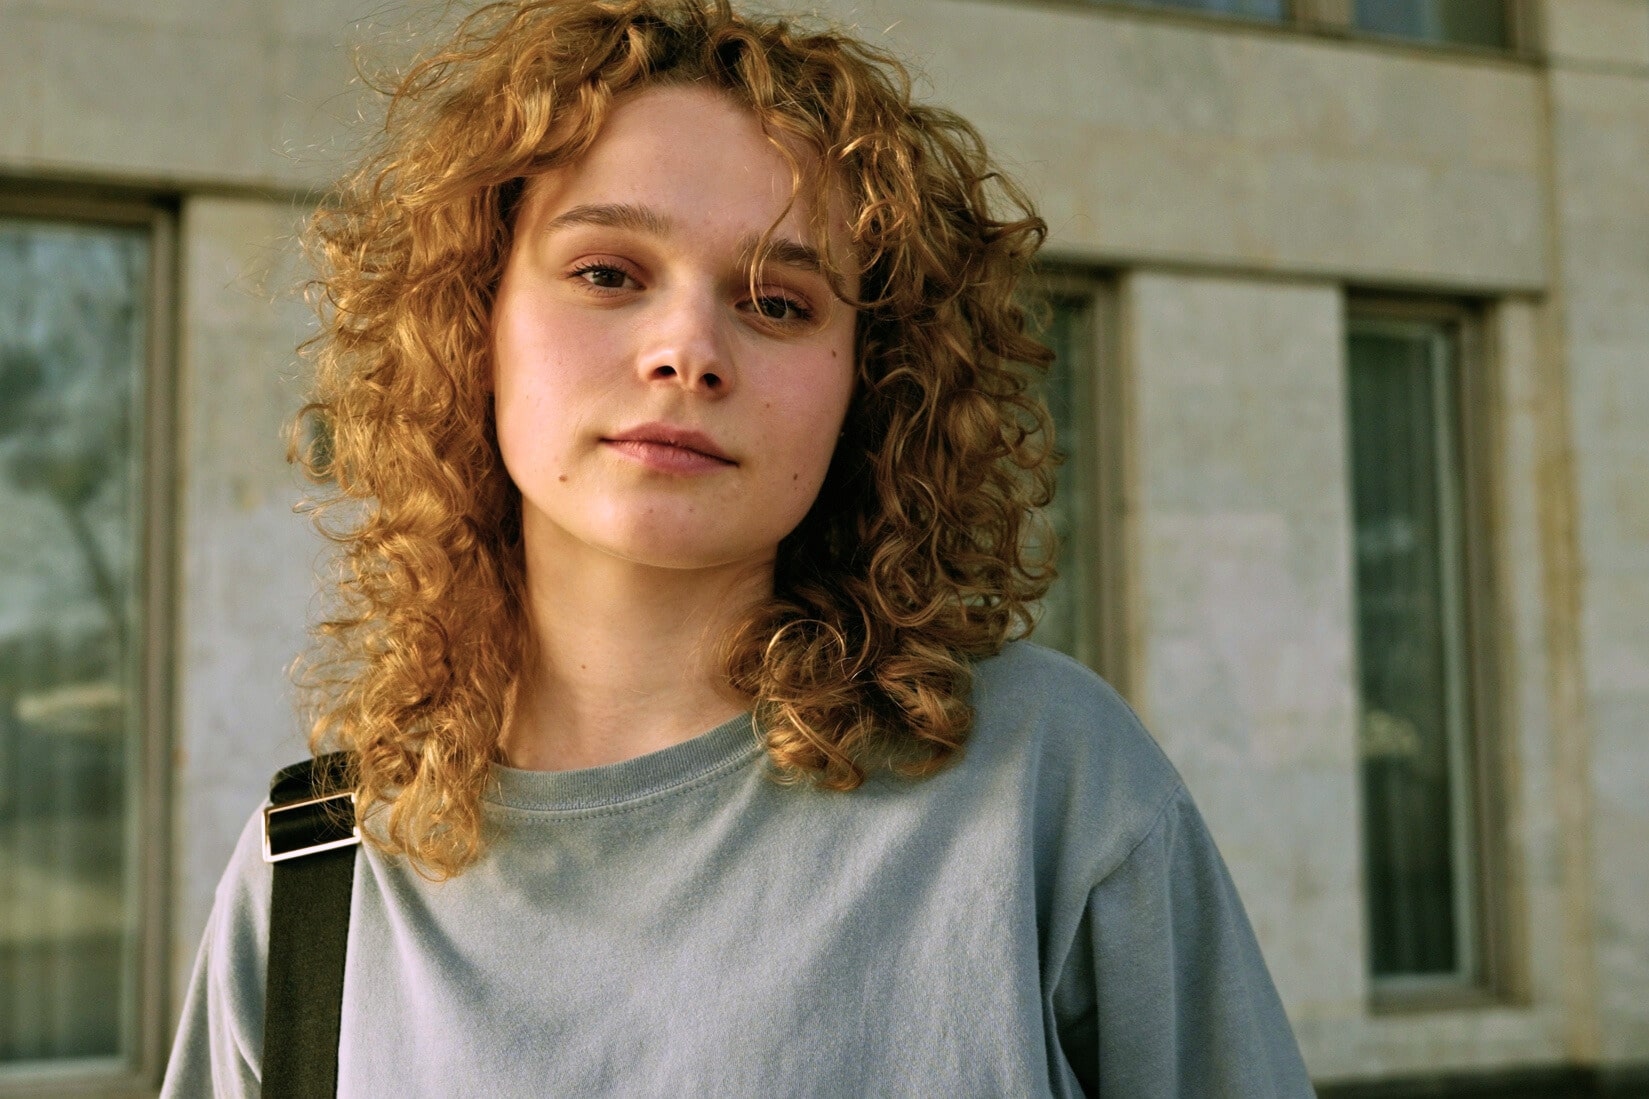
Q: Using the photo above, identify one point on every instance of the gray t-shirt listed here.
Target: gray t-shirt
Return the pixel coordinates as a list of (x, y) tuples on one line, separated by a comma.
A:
[(1047, 917)]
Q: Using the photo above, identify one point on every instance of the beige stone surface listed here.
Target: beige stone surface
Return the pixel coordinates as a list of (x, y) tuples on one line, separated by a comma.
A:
[(1243, 572), (1601, 146), (243, 93), (1164, 139), (245, 577), (102, 107), (1543, 740), (1608, 32)]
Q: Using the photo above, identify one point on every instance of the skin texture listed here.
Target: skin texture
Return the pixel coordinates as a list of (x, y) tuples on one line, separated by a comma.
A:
[(626, 302)]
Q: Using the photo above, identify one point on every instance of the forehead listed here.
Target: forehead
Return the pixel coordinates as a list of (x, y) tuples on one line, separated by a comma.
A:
[(698, 158)]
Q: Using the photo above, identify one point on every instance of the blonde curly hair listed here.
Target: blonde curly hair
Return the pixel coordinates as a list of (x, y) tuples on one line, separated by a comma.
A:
[(918, 556)]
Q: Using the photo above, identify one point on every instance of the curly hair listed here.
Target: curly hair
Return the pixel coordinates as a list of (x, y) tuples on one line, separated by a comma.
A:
[(924, 550)]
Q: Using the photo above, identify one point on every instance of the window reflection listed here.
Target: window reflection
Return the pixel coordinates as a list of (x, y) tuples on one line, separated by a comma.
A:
[(1462, 22), (72, 352), (1262, 9), (1066, 611), (1415, 727)]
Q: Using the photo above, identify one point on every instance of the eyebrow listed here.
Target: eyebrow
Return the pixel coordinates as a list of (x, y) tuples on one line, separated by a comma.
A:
[(644, 219), (783, 251), (613, 215)]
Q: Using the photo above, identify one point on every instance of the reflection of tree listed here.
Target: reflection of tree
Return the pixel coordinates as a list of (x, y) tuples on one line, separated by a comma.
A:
[(68, 458), (71, 346)]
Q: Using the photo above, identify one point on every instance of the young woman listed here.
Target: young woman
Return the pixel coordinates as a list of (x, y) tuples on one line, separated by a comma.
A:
[(682, 478)]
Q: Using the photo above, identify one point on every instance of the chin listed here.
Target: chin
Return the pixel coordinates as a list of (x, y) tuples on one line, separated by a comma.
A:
[(656, 536), (688, 554)]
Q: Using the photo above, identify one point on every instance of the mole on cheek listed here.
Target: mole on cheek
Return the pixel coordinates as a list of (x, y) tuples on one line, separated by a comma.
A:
[(562, 478)]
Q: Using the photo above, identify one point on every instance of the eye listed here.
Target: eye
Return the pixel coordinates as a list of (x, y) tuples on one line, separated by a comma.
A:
[(603, 276), (782, 308)]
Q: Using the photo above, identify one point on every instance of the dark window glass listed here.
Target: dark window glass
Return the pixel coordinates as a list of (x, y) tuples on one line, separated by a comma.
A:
[(1460, 22), (1261, 9), (1410, 564), (72, 353), (1067, 611)]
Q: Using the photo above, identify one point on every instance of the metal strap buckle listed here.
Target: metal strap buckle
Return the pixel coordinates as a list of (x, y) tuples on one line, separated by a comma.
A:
[(269, 812)]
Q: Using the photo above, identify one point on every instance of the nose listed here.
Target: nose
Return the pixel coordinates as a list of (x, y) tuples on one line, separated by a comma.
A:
[(684, 344)]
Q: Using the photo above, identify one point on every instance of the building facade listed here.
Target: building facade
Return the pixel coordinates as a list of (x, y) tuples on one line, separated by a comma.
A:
[(1351, 306)]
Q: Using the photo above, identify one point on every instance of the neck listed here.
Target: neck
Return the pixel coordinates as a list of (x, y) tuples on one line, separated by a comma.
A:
[(624, 658)]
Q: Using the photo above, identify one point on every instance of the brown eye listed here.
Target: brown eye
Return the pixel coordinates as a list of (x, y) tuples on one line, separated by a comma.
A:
[(776, 308), (603, 276)]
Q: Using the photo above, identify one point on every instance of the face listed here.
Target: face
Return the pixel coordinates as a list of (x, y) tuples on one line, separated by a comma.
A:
[(650, 408)]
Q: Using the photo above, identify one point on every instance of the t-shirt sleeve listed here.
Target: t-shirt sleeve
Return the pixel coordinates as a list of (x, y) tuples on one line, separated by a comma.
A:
[(219, 1043), (1164, 992)]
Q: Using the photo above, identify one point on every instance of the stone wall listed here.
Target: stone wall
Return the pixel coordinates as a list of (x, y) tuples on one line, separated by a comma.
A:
[(1599, 104), (1248, 148), (1245, 618), (247, 562)]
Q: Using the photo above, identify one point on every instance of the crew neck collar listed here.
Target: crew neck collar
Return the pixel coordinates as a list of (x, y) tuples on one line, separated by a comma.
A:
[(727, 745)]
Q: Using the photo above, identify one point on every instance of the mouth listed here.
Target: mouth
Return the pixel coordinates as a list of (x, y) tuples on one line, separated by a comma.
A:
[(647, 436)]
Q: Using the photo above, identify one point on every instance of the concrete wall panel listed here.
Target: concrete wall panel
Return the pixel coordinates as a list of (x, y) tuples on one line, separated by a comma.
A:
[(239, 93), (1609, 32), (102, 110), (1262, 150), (1601, 145), (1541, 741), (247, 562), (1244, 596)]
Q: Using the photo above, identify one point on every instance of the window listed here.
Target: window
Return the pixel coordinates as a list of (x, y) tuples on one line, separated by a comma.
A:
[(1422, 640), (1263, 9), (81, 584), (1082, 613), (1067, 611), (1471, 24), (1457, 22)]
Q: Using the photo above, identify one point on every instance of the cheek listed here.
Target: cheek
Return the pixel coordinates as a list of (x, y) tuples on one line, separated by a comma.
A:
[(815, 419), (537, 373), (522, 397), (526, 351)]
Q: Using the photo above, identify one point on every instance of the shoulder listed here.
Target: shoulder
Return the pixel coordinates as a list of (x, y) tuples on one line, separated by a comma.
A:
[(1098, 777), (240, 915), (220, 1035), (1063, 711)]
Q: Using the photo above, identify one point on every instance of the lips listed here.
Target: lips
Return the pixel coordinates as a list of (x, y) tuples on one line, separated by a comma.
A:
[(646, 436)]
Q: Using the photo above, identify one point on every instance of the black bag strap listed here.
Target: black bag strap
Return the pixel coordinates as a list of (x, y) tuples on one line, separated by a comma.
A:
[(310, 835)]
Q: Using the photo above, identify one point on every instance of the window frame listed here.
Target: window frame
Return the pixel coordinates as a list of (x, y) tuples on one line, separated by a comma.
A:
[(1490, 976), (1334, 19), (1338, 17), (138, 1069), (1100, 395), (1290, 12)]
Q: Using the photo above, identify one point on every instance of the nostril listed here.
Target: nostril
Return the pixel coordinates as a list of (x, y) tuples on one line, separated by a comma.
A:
[(711, 381), (665, 372)]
